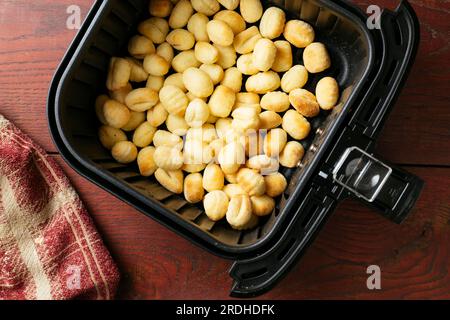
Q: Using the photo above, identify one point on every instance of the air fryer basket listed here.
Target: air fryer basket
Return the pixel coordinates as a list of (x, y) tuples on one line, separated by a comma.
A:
[(263, 254)]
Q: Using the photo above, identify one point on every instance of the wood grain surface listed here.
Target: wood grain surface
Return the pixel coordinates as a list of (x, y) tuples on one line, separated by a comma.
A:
[(158, 264)]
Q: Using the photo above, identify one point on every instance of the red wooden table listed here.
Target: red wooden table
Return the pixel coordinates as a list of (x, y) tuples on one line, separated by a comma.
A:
[(155, 263)]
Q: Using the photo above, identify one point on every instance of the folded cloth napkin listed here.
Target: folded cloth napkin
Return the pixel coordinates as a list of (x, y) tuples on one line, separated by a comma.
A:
[(49, 247)]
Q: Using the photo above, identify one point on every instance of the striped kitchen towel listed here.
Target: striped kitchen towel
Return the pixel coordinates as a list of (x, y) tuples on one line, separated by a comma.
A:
[(49, 247)]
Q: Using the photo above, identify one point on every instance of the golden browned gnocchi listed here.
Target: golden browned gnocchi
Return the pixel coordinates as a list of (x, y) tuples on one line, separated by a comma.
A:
[(145, 161), (171, 180), (124, 152), (299, 33), (327, 93), (272, 23), (109, 136), (193, 188), (304, 102), (214, 104), (316, 58), (251, 10), (216, 204)]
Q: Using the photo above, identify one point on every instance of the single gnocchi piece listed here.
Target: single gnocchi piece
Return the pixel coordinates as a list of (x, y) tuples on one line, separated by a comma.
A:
[(109, 136), (165, 50), (327, 93), (177, 125), (251, 10), (156, 29), (160, 8), (146, 164), (274, 142), (118, 74), (283, 59), (140, 46), (304, 102), (262, 205), (171, 180), (174, 100), (168, 158), (239, 211), (292, 154), (207, 7), (275, 184), (193, 188), (198, 82), (231, 157), (157, 115), (197, 113), (295, 78), (206, 53), (316, 58), (272, 23), (252, 182), (296, 125), (223, 126), (213, 178), (245, 41), (269, 120), (244, 119), (166, 138), (264, 54), (143, 136), (156, 65), (220, 33), (299, 33), (233, 19), (227, 56), (181, 39), (197, 26), (185, 60), (124, 152), (222, 101), (155, 83), (115, 114), (263, 164), (232, 79), (245, 64), (214, 71), (216, 204), (141, 99), (180, 14), (233, 190), (263, 82), (276, 101)]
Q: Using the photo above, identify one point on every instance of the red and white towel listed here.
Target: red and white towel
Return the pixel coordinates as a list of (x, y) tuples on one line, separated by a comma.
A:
[(49, 247)]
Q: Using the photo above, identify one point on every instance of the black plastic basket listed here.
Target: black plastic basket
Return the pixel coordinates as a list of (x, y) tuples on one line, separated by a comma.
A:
[(371, 67)]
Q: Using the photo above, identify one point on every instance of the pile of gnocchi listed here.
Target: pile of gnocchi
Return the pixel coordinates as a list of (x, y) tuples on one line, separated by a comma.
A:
[(210, 103)]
